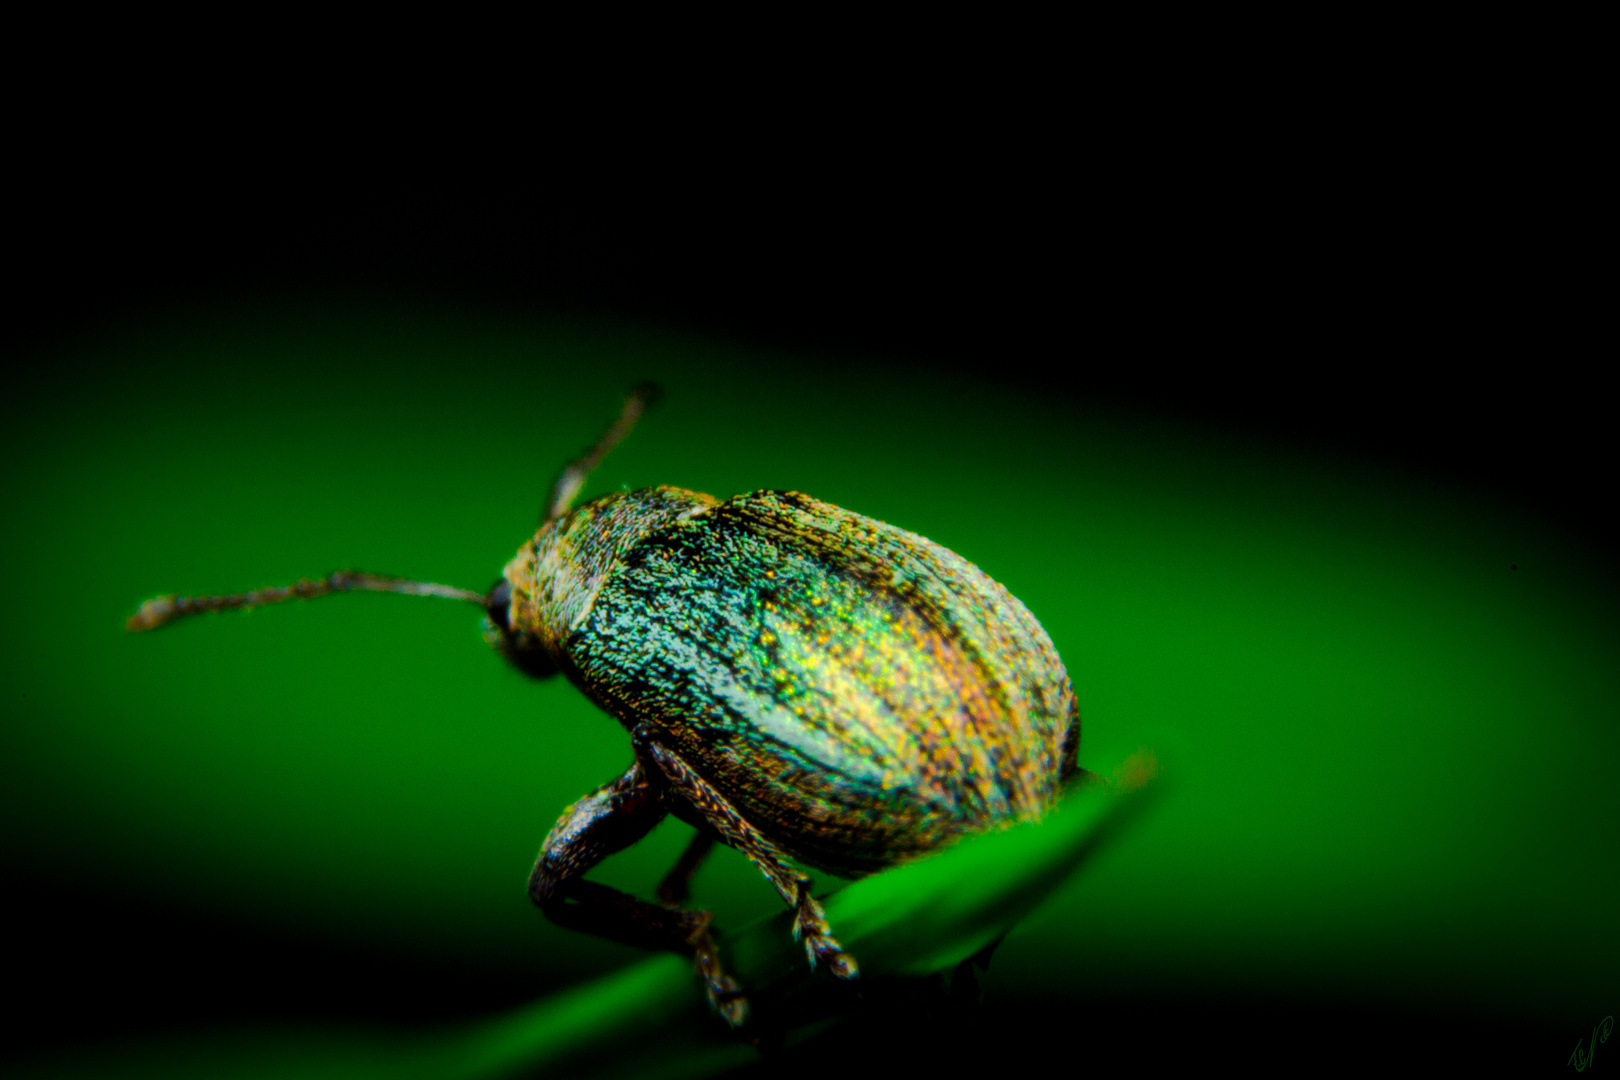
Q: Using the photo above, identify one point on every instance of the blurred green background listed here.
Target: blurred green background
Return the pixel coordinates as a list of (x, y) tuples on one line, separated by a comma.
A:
[(1386, 696)]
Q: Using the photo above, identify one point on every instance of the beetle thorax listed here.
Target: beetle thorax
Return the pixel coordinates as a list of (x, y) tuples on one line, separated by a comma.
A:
[(556, 576)]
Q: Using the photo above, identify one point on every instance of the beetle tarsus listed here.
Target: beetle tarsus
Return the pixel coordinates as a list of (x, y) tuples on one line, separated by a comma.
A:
[(725, 993), (810, 926), (826, 950)]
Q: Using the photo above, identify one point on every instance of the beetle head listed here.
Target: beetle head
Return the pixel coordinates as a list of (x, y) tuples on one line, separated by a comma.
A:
[(545, 593), (520, 646)]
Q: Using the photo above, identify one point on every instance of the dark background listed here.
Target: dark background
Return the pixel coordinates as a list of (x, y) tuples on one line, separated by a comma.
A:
[(1392, 268), (1376, 281)]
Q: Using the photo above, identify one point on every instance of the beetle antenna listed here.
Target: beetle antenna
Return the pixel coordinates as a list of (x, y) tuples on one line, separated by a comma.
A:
[(569, 482), (165, 609)]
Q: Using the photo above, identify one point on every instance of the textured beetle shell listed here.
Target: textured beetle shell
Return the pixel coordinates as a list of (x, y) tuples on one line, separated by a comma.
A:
[(860, 694)]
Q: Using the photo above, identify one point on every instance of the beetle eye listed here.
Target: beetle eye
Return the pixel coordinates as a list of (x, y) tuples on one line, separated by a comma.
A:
[(499, 605)]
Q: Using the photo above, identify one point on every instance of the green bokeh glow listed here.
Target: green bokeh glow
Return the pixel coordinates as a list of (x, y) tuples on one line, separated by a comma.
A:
[(1387, 701)]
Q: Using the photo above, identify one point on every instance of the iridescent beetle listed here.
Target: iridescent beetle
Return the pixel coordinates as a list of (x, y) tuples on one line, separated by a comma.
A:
[(797, 680)]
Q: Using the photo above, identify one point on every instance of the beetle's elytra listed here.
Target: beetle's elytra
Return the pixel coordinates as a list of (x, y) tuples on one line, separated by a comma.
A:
[(799, 682)]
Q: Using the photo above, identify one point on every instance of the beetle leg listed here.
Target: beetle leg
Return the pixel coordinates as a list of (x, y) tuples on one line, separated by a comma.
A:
[(677, 884), (810, 922), (608, 820)]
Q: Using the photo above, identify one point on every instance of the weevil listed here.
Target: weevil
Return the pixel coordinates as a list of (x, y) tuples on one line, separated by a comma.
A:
[(799, 682)]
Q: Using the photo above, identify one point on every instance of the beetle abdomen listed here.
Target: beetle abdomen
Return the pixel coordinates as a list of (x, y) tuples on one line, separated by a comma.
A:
[(859, 692)]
